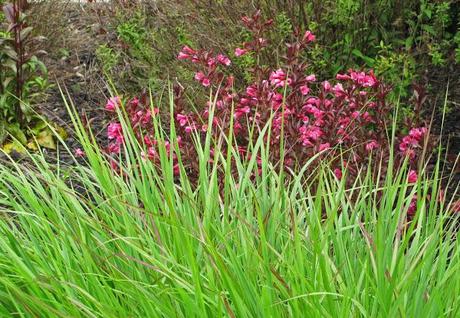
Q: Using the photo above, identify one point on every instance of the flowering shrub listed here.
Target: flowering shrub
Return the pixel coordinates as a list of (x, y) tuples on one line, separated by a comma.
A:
[(346, 120)]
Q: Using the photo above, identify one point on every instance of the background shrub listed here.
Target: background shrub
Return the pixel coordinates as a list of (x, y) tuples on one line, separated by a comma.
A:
[(346, 121), (399, 39)]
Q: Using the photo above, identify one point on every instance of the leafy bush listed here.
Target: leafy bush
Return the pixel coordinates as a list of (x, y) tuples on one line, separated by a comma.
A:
[(392, 37), (23, 77), (346, 122)]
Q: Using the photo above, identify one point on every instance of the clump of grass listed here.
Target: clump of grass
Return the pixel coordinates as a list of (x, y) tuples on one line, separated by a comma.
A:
[(142, 243)]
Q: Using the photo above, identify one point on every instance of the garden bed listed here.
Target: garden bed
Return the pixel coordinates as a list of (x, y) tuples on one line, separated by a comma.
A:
[(296, 159)]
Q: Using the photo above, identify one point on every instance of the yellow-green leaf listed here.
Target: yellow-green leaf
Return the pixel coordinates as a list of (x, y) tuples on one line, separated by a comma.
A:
[(45, 139), (9, 147)]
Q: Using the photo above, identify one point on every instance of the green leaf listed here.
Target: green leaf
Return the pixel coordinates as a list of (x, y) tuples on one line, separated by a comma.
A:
[(10, 52), (6, 82), (368, 60), (2, 131), (409, 42), (25, 33), (13, 146), (45, 139), (38, 127), (11, 64), (16, 132)]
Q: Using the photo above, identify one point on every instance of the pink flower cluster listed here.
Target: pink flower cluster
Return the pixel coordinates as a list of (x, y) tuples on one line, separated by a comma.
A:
[(140, 116), (113, 103), (349, 114), (413, 142), (211, 62)]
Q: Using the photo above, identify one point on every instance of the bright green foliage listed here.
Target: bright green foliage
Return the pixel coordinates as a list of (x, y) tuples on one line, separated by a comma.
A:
[(107, 57), (137, 59), (93, 243)]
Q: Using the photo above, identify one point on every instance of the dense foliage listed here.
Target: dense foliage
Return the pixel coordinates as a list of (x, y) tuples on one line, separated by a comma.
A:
[(254, 166), (348, 122), (145, 243), (400, 40)]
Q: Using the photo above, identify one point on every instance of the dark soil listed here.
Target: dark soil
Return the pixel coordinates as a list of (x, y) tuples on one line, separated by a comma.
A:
[(73, 68), (446, 116)]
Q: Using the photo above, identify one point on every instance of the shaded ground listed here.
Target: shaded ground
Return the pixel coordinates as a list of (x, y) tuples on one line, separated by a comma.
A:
[(447, 125), (72, 65)]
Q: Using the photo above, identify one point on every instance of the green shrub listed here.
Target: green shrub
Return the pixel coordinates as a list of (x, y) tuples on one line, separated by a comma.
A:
[(107, 57)]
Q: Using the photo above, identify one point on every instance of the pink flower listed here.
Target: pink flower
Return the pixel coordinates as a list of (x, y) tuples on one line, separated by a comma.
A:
[(189, 129), (342, 77), (324, 146), (113, 103), (239, 112), (134, 102), (363, 79), (206, 82), (114, 131), (222, 59), (412, 207), (276, 100), (186, 53), (211, 61), (355, 114), (412, 176), (310, 78), (151, 152), (314, 101), (220, 104), (338, 173), (418, 133), (114, 165), (182, 119), (309, 134), (304, 89), (148, 141), (251, 91), (309, 37), (367, 117), (113, 147), (79, 153), (188, 50), (262, 41), (455, 207), (412, 141), (338, 90), (200, 77), (372, 145), (182, 56), (176, 169), (278, 78), (240, 52), (327, 86), (195, 59), (147, 117), (317, 113)]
